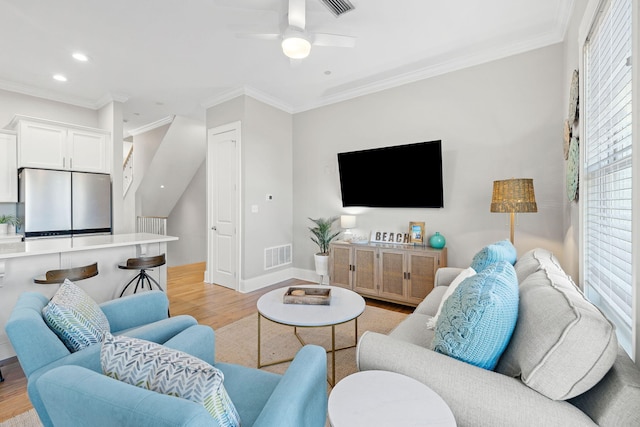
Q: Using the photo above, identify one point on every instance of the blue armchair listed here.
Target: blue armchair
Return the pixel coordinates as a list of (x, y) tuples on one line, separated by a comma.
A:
[(39, 349), (76, 396)]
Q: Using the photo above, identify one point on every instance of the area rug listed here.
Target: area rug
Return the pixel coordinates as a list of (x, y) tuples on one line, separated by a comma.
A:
[(238, 342), (26, 419)]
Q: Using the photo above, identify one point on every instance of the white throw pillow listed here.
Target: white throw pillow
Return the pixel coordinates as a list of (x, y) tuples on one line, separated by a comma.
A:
[(467, 272), (164, 370), (75, 317)]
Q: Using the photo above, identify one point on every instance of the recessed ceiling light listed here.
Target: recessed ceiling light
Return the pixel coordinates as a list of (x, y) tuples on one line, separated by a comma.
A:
[(80, 57), (162, 186), (59, 77)]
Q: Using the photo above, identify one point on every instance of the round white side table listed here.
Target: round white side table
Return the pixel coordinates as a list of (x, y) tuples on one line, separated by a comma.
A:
[(381, 398)]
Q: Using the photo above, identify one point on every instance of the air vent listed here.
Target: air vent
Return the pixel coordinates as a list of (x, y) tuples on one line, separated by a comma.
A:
[(338, 7), (277, 256)]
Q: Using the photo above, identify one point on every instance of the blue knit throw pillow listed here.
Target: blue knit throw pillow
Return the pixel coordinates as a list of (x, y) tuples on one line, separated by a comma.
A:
[(477, 320), (498, 251)]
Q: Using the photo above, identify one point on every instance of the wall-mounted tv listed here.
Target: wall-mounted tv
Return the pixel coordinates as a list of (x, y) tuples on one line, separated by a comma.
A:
[(401, 176)]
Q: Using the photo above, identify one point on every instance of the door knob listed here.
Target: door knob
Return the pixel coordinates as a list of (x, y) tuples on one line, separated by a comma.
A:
[(214, 228)]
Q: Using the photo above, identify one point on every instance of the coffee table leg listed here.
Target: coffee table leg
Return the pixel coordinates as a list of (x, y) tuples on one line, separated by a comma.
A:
[(332, 381), (259, 330), (356, 335)]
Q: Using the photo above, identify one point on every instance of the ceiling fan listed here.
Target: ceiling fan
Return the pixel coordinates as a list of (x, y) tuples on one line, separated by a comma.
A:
[(296, 41)]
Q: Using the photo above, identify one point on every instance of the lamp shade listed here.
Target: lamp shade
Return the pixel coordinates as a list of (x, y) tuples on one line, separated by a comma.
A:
[(347, 221), (513, 195)]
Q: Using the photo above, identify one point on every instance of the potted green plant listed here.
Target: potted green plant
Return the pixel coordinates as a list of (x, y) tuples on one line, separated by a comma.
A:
[(322, 235), (6, 221)]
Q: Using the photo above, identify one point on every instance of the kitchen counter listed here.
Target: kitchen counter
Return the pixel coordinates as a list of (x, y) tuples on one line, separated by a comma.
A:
[(10, 238), (32, 247), (20, 262)]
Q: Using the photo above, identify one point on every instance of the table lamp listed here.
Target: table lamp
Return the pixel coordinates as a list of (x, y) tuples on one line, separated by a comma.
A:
[(513, 195), (347, 222)]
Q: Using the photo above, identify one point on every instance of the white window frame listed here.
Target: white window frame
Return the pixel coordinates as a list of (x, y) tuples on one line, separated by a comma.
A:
[(589, 17)]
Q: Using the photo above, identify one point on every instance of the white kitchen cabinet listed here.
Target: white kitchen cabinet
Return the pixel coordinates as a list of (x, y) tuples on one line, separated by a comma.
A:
[(8, 168), (50, 145)]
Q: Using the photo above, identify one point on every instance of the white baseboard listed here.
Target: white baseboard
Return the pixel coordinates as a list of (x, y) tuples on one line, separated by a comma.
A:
[(270, 279)]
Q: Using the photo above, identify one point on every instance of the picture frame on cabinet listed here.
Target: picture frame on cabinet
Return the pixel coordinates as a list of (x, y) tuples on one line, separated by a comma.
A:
[(416, 232)]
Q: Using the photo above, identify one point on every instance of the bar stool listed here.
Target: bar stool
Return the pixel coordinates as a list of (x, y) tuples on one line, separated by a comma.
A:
[(143, 264), (73, 274)]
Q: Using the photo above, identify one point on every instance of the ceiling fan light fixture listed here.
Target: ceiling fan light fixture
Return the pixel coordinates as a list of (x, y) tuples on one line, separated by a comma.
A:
[(296, 47)]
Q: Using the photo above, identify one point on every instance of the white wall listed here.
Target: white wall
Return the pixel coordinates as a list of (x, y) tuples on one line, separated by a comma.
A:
[(12, 103), (144, 147), (498, 120), (571, 211)]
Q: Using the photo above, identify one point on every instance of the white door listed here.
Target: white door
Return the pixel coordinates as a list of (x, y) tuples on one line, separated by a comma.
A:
[(223, 196)]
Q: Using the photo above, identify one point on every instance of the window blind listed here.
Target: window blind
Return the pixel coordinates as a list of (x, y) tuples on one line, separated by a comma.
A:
[(607, 166)]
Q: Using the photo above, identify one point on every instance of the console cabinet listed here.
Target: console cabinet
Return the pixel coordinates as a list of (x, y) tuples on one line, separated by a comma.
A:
[(402, 274), (51, 145)]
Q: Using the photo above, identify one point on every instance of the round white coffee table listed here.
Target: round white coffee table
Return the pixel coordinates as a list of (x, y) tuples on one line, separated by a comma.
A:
[(345, 306), (382, 398)]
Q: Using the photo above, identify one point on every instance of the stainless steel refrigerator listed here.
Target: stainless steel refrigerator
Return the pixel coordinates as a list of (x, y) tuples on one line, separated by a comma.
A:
[(61, 203)]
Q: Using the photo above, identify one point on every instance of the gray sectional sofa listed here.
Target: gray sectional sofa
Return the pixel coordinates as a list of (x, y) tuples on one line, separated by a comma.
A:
[(561, 367)]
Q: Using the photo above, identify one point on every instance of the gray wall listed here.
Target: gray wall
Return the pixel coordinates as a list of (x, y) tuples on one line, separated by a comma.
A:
[(498, 120), (266, 143), (188, 219)]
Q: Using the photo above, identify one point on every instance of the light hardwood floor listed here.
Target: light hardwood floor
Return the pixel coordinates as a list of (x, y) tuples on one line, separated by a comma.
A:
[(211, 305)]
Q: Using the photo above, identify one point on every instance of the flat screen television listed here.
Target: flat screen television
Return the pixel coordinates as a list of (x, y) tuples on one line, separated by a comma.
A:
[(401, 176)]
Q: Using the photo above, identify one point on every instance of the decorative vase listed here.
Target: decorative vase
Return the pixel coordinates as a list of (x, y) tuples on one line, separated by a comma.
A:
[(437, 241), (4, 228), (322, 264)]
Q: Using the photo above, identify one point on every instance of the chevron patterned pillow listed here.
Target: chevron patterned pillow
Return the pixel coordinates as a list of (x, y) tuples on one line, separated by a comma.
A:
[(161, 369), (75, 318)]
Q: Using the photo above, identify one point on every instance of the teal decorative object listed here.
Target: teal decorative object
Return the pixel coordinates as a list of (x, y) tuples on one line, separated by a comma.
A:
[(437, 241)]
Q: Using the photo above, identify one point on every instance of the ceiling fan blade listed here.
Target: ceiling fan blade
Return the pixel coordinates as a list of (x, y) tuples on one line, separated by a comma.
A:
[(258, 36), (335, 40), (297, 13)]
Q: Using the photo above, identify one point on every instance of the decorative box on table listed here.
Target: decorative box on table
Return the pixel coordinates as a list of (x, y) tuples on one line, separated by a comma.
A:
[(310, 296)]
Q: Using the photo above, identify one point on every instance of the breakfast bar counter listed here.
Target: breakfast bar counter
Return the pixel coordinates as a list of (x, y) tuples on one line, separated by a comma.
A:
[(20, 262)]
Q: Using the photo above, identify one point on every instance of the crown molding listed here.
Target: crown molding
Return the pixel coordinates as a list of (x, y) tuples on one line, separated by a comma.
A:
[(151, 126), (110, 97), (248, 91), (46, 94), (59, 97), (453, 62)]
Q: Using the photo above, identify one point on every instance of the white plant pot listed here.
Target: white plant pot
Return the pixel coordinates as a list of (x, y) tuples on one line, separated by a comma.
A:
[(322, 264), (4, 228)]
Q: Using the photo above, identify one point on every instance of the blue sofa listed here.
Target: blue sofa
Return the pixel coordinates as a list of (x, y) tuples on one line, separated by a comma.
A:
[(39, 350)]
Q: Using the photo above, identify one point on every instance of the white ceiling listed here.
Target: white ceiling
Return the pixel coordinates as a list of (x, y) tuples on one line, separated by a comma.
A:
[(166, 57)]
